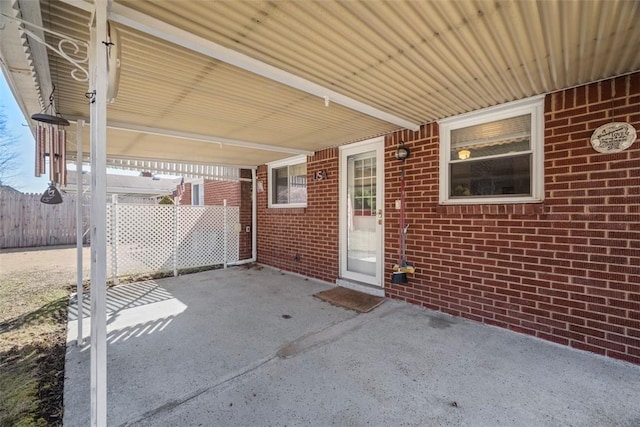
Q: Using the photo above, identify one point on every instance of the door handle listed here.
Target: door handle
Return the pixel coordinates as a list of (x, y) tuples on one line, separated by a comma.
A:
[(380, 216)]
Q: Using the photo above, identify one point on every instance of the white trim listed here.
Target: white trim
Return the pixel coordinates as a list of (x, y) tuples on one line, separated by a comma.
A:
[(290, 161), (377, 145), (497, 110), (200, 183), (365, 289), (533, 106)]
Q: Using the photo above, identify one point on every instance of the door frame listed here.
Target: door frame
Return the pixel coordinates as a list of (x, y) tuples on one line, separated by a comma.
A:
[(377, 145)]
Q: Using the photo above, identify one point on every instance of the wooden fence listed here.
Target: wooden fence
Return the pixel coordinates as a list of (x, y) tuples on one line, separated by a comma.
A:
[(26, 222)]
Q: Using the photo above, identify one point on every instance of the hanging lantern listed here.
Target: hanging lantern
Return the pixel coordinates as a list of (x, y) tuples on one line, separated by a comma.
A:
[(51, 141)]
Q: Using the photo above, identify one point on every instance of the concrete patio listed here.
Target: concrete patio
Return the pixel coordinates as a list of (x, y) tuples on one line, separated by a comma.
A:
[(252, 347)]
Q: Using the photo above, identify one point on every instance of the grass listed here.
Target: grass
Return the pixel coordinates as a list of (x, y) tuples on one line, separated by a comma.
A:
[(33, 317)]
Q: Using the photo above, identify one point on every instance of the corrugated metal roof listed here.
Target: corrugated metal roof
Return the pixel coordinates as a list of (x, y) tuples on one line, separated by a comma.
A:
[(418, 60)]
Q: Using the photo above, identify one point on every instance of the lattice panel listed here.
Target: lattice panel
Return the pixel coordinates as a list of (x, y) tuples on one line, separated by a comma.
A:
[(152, 238), (201, 234), (142, 238)]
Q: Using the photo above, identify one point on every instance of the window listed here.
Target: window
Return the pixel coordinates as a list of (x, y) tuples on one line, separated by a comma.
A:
[(197, 193), (288, 183), (364, 184), (493, 155)]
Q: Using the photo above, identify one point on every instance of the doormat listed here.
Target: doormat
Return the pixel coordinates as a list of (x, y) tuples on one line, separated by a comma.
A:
[(348, 298)]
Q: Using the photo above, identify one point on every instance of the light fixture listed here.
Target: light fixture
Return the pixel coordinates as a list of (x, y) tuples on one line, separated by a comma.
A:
[(402, 152), (464, 154)]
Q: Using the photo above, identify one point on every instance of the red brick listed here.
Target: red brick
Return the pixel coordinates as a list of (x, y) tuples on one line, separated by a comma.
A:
[(570, 262)]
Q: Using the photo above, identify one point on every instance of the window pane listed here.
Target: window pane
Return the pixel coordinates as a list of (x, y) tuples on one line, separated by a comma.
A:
[(195, 194), (365, 183), (298, 183), (289, 184), (493, 138), (492, 177), (280, 185)]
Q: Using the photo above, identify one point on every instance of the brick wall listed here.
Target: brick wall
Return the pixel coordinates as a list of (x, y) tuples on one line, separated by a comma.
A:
[(566, 270), (246, 214), (215, 192), (303, 240)]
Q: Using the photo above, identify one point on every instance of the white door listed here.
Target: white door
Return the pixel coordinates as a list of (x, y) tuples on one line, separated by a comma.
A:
[(361, 211)]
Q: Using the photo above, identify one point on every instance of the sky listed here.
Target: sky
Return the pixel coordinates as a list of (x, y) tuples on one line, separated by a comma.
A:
[(25, 180)]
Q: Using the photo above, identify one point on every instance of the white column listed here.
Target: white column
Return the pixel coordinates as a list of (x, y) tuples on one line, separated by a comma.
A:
[(175, 240), (99, 218), (79, 229), (226, 233)]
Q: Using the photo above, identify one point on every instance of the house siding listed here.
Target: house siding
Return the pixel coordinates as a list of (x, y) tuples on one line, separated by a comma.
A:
[(566, 270)]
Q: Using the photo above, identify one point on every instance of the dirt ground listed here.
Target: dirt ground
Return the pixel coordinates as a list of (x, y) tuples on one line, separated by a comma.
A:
[(57, 259), (34, 293)]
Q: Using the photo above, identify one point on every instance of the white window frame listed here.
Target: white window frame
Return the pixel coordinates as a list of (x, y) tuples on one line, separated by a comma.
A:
[(200, 184), (533, 106), (291, 161)]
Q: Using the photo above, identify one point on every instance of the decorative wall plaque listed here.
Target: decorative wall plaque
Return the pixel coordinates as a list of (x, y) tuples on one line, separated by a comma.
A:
[(613, 137)]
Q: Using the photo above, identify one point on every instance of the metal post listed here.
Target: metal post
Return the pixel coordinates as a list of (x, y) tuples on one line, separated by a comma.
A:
[(79, 230), (226, 232), (98, 66)]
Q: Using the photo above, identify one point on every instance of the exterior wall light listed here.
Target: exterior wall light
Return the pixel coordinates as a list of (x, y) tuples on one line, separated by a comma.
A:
[(402, 152)]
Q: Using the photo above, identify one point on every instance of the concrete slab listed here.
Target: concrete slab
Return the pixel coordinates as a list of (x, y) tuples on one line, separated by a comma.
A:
[(246, 347)]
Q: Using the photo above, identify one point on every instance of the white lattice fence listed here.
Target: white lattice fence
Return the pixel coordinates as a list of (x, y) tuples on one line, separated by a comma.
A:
[(153, 238), (201, 235)]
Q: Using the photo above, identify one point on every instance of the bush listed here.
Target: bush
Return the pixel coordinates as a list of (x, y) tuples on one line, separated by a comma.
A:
[(166, 200)]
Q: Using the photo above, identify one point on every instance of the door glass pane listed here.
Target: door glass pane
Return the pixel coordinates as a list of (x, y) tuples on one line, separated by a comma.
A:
[(361, 213)]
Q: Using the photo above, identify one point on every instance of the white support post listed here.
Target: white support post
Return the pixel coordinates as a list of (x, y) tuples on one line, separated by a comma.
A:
[(254, 216), (115, 238), (226, 232), (98, 83), (175, 241), (79, 231)]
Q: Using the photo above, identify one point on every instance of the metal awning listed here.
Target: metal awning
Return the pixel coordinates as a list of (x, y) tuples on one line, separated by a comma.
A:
[(301, 76)]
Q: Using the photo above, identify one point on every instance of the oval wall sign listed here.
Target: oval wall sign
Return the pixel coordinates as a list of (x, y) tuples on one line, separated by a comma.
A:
[(613, 137)]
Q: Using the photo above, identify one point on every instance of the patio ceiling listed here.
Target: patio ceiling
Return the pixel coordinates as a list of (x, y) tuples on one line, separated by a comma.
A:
[(244, 82)]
